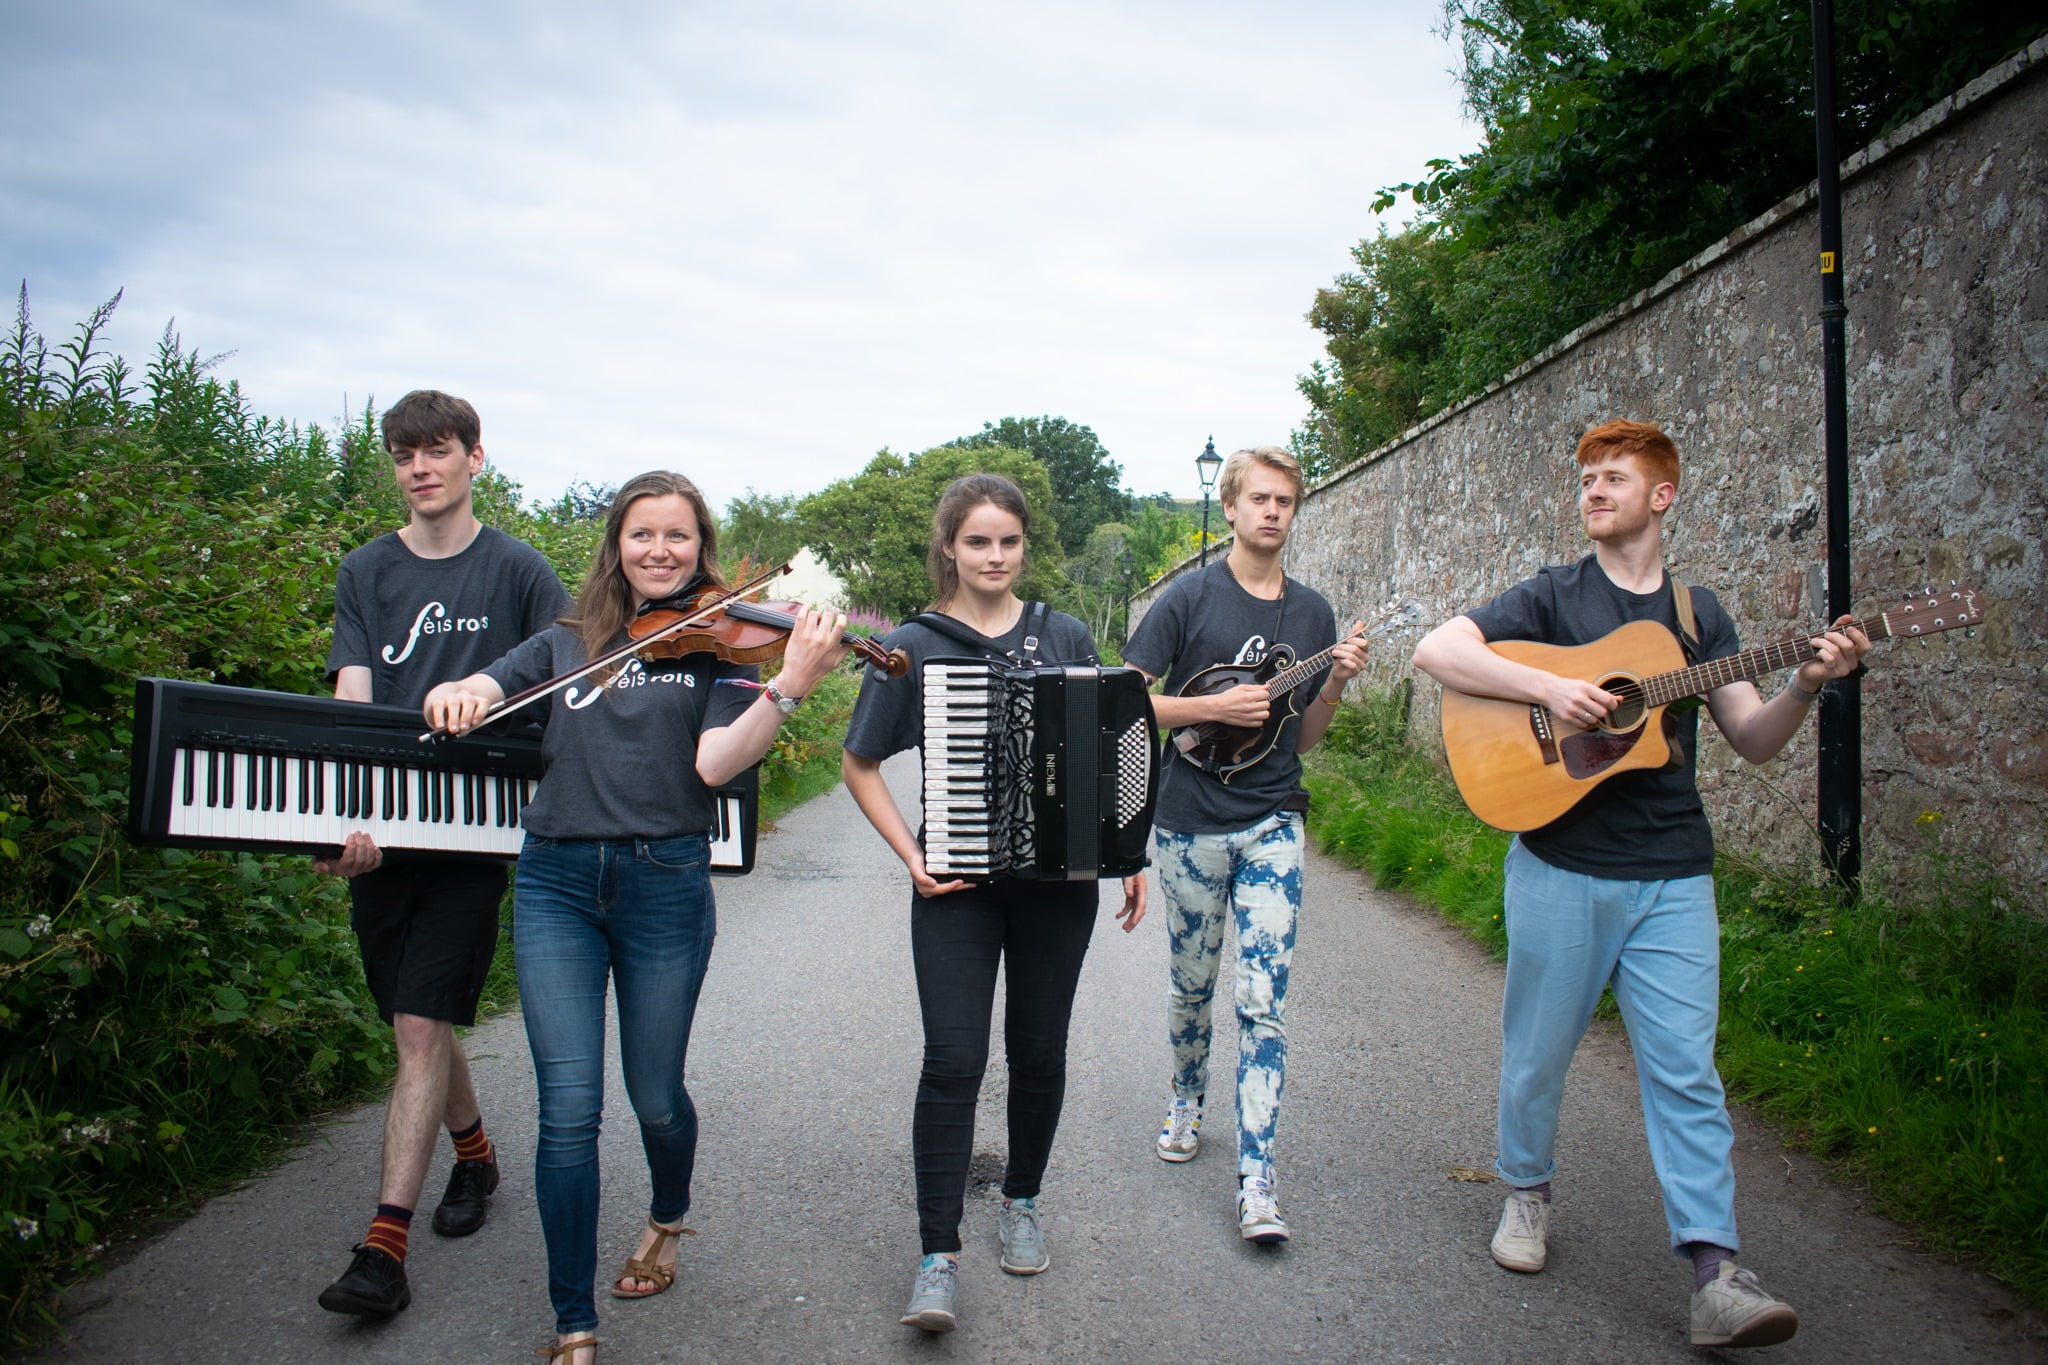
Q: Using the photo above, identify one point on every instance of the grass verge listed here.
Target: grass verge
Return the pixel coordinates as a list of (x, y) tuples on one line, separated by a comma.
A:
[(1903, 1039)]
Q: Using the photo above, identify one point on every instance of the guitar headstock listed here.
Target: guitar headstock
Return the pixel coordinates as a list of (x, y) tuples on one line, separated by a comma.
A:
[(1396, 615), (1932, 610)]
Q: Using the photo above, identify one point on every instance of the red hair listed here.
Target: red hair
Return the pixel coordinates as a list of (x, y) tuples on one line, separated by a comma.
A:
[(1653, 450)]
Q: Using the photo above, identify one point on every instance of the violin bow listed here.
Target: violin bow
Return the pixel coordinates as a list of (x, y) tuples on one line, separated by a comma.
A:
[(627, 650)]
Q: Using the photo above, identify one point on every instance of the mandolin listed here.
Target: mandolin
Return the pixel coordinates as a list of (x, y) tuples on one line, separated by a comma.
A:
[(1227, 750), (1519, 768)]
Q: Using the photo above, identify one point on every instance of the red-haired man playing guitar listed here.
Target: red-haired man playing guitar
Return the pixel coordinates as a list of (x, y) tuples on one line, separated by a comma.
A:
[(1619, 890)]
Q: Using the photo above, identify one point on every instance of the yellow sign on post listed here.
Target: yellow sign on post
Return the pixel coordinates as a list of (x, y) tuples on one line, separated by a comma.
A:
[(1827, 262)]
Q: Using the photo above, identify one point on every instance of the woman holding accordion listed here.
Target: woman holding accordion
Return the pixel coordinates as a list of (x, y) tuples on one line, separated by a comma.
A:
[(959, 930)]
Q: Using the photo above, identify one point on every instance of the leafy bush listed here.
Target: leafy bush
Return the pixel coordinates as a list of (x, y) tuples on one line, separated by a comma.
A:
[(158, 1008)]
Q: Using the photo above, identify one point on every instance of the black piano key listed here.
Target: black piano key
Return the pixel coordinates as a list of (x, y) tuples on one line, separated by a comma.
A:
[(498, 799), (390, 798), (448, 798), (354, 809), (227, 782), (305, 794), (402, 785), (469, 799), (213, 779), (249, 788), (423, 797), (190, 759), (435, 814), (267, 785)]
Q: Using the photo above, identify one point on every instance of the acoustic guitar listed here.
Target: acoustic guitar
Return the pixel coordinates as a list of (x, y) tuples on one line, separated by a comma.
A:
[(1227, 750), (1519, 768)]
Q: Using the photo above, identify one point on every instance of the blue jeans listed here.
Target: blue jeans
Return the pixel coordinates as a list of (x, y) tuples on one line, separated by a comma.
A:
[(1659, 945), (1255, 875), (639, 911)]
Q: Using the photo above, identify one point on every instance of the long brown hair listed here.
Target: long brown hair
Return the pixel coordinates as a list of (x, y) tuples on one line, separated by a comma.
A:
[(605, 602), (961, 497)]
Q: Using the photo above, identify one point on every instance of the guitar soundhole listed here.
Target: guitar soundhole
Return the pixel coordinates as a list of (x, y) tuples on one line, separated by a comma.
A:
[(1628, 714)]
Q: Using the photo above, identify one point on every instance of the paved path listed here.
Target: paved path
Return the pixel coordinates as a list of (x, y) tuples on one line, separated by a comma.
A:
[(803, 1066)]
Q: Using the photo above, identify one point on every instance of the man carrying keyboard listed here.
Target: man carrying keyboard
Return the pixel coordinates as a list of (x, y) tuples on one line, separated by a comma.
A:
[(436, 599)]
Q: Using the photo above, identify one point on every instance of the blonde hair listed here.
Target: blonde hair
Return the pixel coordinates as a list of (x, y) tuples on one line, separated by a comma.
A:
[(1231, 481)]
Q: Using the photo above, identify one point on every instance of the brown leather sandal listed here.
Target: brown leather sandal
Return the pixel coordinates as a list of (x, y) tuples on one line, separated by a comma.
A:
[(566, 1350), (639, 1268)]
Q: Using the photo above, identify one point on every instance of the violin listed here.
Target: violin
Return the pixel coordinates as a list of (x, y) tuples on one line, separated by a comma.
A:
[(702, 621), (738, 632)]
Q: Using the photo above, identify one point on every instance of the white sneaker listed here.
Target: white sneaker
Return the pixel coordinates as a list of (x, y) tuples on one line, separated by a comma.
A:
[(1518, 1243), (1733, 1309), (1258, 1217), (1177, 1137), (934, 1299)]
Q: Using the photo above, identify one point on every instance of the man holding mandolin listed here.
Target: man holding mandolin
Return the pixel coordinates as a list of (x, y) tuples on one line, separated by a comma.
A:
[(1618, 889), (1229, 826)]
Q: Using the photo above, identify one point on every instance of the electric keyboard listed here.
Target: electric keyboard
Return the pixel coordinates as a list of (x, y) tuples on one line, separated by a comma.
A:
[(1039, 772), (238, 768)]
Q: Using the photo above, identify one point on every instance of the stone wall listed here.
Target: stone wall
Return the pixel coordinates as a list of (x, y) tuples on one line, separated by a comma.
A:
[(1948, 386)]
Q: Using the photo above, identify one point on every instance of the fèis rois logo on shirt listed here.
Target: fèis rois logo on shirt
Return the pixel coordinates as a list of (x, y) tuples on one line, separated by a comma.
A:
[(634, 674), (434, 620), (1251, 653)]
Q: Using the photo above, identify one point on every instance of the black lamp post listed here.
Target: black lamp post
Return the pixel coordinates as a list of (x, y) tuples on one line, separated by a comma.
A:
[(1206, 466)]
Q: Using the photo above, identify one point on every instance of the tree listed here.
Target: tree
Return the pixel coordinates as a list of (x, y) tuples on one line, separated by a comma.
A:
[(872, 529), (1619, 139), (1085, 481), (762, 527)]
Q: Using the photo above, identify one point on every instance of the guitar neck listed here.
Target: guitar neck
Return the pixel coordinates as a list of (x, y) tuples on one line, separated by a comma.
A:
[(1748, 666)]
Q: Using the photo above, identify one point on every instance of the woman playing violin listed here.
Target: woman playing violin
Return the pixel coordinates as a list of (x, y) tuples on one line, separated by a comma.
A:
[(614, 877), (960, 932)]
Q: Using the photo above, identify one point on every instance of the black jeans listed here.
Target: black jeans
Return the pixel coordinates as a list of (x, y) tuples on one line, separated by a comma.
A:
[(1042, 928)]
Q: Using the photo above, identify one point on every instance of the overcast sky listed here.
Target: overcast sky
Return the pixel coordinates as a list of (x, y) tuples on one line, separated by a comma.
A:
[(753, 242)]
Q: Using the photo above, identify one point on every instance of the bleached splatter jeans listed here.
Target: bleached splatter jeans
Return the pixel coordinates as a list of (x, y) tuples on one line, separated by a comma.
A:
[(1255, 873)]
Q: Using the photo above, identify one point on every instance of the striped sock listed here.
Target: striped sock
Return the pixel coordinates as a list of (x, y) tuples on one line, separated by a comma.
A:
[(471, 1144), (389, 1230)]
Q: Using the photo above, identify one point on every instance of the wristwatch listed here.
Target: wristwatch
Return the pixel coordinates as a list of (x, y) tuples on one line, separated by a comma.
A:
[(784, 703)]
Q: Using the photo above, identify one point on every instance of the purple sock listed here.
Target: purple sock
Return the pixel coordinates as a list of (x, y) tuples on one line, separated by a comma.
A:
[(1543, 1189), (1706, 1261)]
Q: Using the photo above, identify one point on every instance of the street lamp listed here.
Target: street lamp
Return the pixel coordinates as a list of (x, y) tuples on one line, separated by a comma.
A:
[(1206, 466)]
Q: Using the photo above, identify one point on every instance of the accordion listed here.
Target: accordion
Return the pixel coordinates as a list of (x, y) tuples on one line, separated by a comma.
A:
[(1045, 773)]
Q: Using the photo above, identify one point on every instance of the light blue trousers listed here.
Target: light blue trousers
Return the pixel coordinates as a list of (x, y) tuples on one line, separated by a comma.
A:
[(1659, 945), (1255, 873)]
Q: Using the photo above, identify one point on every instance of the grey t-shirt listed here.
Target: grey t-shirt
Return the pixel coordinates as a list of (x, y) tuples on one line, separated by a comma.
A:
[(887, 719), (416, 623), (1205, 618), (622, 758), (1646, 825)]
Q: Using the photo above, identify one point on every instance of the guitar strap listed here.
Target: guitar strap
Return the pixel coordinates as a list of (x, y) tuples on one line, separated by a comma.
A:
[(1688, 625)]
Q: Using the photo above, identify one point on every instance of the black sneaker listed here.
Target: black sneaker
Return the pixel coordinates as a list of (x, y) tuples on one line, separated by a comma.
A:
[(373, 1287), (462, 1206)]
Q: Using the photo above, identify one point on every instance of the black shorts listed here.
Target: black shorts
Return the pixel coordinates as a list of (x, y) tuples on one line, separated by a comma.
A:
[(427, 931)]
